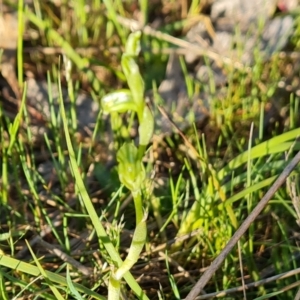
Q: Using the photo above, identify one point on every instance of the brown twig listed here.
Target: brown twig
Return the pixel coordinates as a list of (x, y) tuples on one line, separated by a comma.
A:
[(238, 234), (64, 257), (148, 30), (250, 285)]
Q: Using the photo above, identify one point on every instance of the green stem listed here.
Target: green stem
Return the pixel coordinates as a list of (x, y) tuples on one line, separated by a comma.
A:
[(114, 288), (138, 204), (136, 247)]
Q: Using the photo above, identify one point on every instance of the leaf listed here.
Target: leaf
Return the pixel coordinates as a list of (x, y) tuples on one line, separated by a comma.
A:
[(120, 101)]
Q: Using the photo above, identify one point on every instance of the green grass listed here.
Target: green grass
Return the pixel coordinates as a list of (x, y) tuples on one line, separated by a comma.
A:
[(200, 184)]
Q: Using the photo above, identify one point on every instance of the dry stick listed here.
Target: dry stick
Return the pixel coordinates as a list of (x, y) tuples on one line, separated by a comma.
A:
[(148, 30), (238, 234), (65, 257), (252, 284), (297, 297)]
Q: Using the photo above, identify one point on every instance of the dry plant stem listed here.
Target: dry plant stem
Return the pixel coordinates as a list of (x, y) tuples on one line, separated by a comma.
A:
[(220, 60), (295, 199), (238, 234), (242, 270), (297, 297), (250, 285), (64, 257)]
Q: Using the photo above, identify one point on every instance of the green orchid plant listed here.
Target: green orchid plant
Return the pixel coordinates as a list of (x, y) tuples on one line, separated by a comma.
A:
[(129, 157)]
